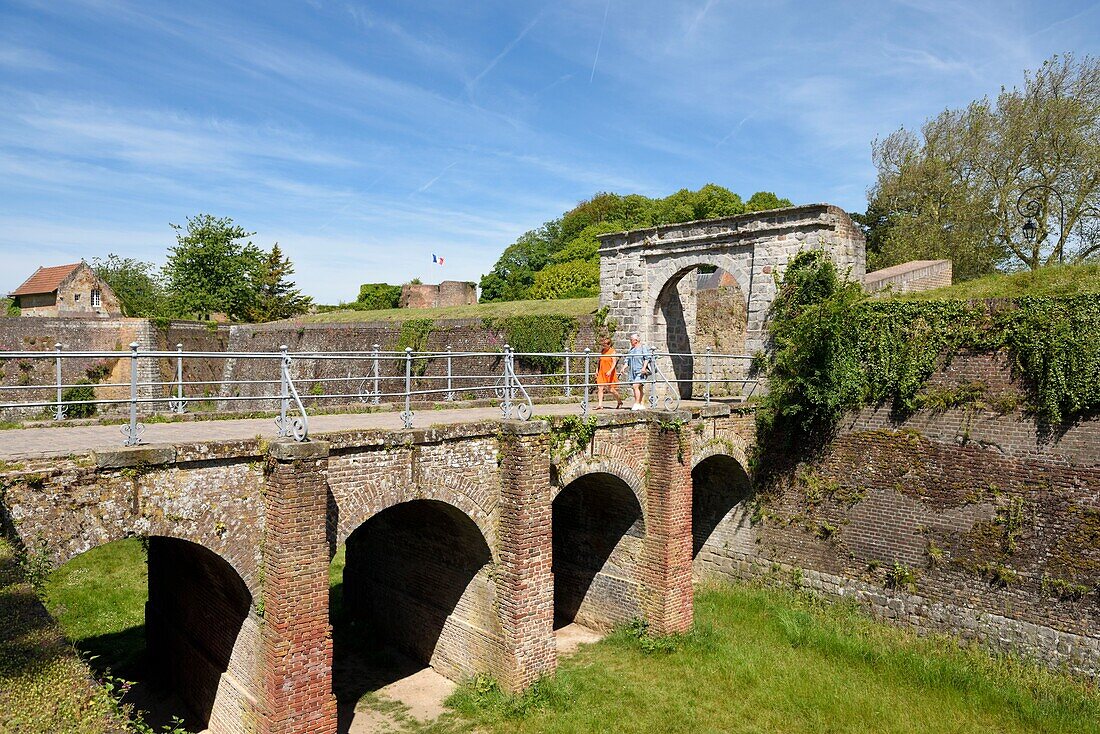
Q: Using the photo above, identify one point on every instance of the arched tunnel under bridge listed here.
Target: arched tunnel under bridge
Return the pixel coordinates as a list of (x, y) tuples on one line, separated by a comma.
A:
[(598, 534), (417, 590), (721, 527)]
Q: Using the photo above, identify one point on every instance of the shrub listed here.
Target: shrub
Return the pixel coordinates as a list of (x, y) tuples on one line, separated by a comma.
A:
[(83, 390)]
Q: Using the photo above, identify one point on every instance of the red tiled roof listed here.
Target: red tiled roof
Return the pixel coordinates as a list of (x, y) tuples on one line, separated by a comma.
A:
[(45, 280)]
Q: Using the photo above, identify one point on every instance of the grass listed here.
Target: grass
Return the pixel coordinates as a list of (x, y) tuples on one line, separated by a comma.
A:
[(44, 686), (764, 660), (758, 660), (98, 598), (504, 309), (1055, 281)]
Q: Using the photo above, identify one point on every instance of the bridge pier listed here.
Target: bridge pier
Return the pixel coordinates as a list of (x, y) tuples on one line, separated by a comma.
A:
[(666, 550), (526, 584), (296, 657)]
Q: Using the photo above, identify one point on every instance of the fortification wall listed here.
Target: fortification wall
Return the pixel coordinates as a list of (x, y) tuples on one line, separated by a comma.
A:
[(968, 520), (332, 376)]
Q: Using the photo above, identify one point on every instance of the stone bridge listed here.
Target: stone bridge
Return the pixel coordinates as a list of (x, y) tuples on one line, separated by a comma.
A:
[(466, 544)]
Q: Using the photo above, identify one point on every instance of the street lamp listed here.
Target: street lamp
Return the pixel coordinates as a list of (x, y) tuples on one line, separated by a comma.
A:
[(1033, 209)]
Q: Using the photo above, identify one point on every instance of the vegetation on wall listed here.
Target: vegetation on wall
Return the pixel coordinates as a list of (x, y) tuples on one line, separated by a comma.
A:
[(545, 334), (834, 350)]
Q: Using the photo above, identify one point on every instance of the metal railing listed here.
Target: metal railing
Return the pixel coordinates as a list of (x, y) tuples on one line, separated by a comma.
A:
[(146, 383)]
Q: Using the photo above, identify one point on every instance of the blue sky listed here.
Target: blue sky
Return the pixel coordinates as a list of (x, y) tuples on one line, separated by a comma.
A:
[(366, 136)]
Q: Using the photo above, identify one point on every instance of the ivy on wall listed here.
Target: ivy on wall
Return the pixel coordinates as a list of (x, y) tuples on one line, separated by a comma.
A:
[(835, 350)]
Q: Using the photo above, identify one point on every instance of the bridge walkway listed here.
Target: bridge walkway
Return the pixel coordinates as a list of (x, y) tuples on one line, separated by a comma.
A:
[(41, 442)]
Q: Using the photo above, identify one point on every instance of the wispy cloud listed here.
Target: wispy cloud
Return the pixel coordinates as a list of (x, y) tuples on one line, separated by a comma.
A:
[(503, 52), (431, 182), (698, 17), (603, 27)]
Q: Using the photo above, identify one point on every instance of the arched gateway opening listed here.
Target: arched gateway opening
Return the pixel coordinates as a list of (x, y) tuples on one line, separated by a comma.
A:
[(720, 523), (700, 307), (598, 531), (166, 614), (411, 588)]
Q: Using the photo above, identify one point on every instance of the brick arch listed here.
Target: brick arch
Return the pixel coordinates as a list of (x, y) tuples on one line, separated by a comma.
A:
[(104, 507), (450, 489), (612, 460), (729, 444)]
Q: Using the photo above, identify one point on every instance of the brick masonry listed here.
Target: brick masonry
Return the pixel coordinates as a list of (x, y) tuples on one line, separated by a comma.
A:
[(451, 548), (966, 520)]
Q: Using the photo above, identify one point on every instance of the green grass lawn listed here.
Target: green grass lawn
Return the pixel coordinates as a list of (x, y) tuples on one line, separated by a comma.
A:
[(1064, 280), (99, 600), (563, 307), (766, 660)]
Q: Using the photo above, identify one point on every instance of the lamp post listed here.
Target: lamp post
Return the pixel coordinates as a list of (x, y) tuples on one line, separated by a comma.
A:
[(1033, 209)]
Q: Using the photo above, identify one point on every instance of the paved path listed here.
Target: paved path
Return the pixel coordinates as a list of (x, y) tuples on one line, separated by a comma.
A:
[(23, 443)]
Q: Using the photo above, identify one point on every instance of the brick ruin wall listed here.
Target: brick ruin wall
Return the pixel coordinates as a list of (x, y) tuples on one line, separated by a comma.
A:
[(966, 520), (40, 334), (447, 293)]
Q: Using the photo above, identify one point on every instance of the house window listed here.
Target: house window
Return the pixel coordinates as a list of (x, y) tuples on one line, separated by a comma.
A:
[(95, 298)]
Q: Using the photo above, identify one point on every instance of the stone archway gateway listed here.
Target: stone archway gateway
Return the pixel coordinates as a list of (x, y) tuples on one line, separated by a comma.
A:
[(644, 273)]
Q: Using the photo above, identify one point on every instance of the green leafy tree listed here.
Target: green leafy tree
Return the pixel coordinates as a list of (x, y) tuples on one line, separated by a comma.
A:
[(573, 279), (276, 297), (572, 238), (212, 268), (762, 201), (136, 284), (378, 296), (951, 191)]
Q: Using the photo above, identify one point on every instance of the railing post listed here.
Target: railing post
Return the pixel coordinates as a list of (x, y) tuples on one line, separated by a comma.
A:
[(132, 432), (652, 378), (181, 405), (59, 414), (506, 406), (706, 394), (587, 376), (377, 389), (284, 391), (450, 396), (568, 386), (407, 416)]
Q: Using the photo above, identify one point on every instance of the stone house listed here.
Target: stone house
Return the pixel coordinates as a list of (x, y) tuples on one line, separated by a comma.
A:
[(66, 290)]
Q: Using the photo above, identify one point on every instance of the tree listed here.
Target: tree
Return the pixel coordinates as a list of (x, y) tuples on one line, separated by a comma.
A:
[(210, 269), (572, 279), (276, 297), (136, 284), (378, 296), (762, 201), (572, 240), (952, 191)]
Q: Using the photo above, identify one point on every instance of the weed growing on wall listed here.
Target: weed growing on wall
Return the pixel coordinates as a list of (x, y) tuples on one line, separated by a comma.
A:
[(414, 335), (834, 350)]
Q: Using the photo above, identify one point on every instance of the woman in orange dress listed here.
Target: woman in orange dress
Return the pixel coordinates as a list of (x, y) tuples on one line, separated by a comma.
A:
[(606, 377)]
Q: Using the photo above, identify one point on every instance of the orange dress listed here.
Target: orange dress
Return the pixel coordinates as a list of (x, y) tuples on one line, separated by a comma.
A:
[(605, 373)]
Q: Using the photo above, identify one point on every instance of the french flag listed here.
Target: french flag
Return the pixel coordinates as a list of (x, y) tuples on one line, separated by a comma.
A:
[(437, 259)]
